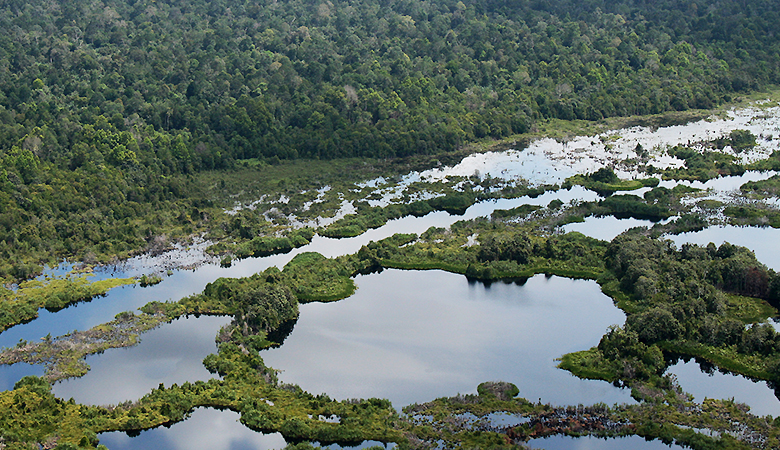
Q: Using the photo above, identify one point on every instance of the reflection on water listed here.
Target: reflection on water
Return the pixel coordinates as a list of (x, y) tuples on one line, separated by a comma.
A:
[(9, 375), (694, 380), (182, 283), (547, 160), (208, 429), (205, 429), (172, 353), (412, 336), (594, 443), (605, 228)]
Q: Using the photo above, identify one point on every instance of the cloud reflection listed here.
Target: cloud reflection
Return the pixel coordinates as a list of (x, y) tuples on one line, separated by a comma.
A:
[(170, 354), (412, 336), (206, 428)]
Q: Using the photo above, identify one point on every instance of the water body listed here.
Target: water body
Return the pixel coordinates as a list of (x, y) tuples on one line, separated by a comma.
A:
[(182, 283), (432, 334), (707, 383), (547, 160), (9, 375), (206, 429), (594, 443), (413, 336), (432, 337), (171, 353), (605, 228)]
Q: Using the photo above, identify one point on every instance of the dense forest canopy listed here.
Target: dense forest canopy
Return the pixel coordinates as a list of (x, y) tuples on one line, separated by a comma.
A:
[(106, 107)]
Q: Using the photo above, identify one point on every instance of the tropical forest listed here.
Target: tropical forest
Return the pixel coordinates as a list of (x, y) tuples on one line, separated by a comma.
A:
[(404, 224)]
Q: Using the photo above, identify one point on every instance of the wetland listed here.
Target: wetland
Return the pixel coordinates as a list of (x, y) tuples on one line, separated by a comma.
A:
[(498, 288)]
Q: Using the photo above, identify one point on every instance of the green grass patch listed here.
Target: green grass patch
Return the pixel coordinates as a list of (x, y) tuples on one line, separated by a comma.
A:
[(726, 358), (53, 294), (589, 364), (748, 309)]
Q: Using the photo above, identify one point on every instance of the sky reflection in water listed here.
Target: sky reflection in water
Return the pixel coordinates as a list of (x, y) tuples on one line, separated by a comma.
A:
[(205, 429), (172, 353), (412, 336)]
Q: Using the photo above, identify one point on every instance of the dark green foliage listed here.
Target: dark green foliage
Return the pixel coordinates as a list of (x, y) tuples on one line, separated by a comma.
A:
[(264, 309), (739, 140), (702, 165), (106, 112), (622, 206), (770, 187), (604, 175), (753, 215), (655, 324), (498, 389), (521, 211), (632, 358), (34, 384), (267, 245), (677, 302), (516, 248)]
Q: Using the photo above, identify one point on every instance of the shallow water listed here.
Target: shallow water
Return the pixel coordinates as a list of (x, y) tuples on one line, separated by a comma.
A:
[(412, 336), (547, 161), (605, 228), (9, 375), (207, 429), (430, 333), (182, 283)]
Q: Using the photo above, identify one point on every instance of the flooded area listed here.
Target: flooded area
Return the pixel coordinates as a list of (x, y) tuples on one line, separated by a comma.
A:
[(605, 228), (206, 428), (183, 282), (765, 242), (549, 161)]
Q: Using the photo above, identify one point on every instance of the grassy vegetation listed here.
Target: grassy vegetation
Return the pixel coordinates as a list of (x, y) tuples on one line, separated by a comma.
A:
[(605, 182), (22, 304), (755, 215)]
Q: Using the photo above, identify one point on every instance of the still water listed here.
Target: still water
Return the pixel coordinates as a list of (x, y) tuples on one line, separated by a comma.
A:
[(765, 242), (594, 443), (182, 283), (410, 336), (205, 429), (707, 383), (413, 336), (172, 353)]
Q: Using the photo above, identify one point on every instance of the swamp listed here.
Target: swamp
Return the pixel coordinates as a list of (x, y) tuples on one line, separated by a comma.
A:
[(550, 296)]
